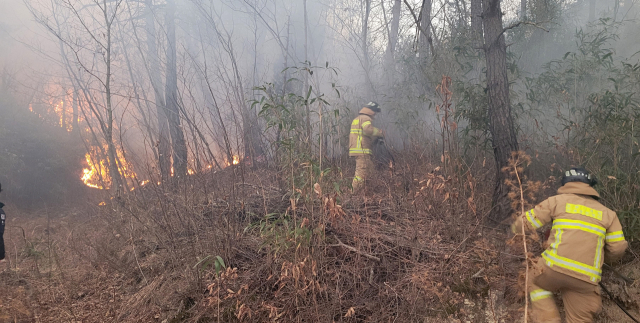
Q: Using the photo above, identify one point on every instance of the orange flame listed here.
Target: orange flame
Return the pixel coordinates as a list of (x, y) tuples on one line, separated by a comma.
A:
[(96, 175), (91, 176), (234, 161)]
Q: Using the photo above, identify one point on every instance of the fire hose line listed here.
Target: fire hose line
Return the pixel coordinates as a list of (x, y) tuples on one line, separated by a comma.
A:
[(617, 303), (625, 278)]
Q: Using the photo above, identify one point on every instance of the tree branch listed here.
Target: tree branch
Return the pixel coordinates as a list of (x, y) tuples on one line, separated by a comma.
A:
[(340, 244), (519, 23)]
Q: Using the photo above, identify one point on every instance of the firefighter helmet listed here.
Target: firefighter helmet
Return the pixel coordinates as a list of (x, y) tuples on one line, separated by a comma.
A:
[(373, 106), (579, 174)]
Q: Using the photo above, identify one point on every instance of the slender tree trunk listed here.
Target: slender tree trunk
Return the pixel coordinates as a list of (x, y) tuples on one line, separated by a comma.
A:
[(393, 41), (501, 127), (592, 10), (523, 10), (63, 118), (426, 41), (306, 73), (365, 46), (139, 105), (74, 113), (164, 148), (178, 142), (112, 154), (476, 22)]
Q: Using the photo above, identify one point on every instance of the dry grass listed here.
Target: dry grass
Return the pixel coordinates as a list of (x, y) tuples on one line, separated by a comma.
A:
[(413, 249)]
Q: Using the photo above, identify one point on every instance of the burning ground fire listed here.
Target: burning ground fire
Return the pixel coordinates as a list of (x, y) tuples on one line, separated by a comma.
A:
[(96, 175), (235, 161)]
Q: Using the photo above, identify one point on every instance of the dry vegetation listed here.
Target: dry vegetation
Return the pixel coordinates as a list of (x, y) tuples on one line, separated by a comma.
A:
[(232, 246)]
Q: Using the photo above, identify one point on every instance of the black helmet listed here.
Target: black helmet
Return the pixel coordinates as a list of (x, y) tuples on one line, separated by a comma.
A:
[(579, 174), (373, 106)]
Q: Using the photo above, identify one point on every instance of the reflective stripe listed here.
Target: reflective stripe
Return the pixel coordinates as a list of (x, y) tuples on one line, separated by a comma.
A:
[(539, 294), (360, 151), (533, 219), (357, 178), (581, 209), (555, 260), (596, 262), (357, 130), (615, 236), (551, 255), (558, 238), (579, 225)]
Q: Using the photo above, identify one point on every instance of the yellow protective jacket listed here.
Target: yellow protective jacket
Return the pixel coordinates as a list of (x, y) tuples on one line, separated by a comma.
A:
[(362, 133), (582, 230)]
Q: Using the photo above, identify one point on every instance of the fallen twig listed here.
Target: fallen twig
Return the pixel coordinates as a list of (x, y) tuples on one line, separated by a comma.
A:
[(340, 244)]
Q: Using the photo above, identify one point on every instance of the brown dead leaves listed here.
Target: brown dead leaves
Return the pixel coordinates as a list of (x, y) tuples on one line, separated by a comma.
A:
[(302, 276), (227, 287)]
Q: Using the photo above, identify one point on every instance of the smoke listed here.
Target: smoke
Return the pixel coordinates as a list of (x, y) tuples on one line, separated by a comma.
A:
[(59, 52)]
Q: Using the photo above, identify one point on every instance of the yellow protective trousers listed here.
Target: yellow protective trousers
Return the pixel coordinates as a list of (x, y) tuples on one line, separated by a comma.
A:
[(581, 299), (364, 168)]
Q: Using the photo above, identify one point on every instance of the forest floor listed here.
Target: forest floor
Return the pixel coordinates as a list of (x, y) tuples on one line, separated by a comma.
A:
[(233, 247)]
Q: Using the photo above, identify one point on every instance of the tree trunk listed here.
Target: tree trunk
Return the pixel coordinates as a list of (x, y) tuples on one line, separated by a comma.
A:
[(178, 143), (476, 41), (74, 113), (393, 41), (136, 95), (365, 46), (501, 127), (426, 42), (164, 148), (523, 10), (476, 22), (592, 10), (112, 154), (306, 73), (63, 118)]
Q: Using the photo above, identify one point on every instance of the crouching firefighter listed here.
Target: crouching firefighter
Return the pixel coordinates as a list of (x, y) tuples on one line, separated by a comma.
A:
[(584, 234), (361, 139)]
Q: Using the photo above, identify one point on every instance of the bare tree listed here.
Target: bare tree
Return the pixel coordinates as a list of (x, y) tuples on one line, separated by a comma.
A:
[(364, 39), (92, 50), (172, 110), (153, 68), (476, 22), (426, 42), (393, 39), (501, 126)]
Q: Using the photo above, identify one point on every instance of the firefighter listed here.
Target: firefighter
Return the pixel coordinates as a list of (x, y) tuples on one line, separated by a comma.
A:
[(584, 234), (361, 140)]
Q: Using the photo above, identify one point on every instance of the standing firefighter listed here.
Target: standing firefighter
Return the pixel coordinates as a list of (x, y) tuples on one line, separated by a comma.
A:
[(584, 233), (361, 141)]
